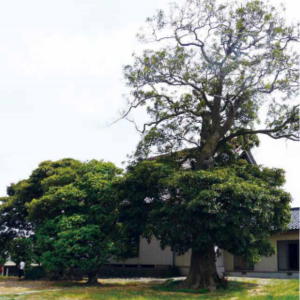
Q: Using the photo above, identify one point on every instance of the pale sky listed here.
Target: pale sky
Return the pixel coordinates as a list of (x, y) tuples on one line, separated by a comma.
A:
[(61, 84)]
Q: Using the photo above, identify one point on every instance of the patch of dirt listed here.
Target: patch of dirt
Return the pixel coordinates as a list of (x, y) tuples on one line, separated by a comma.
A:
[(15, 286), (12, 285)]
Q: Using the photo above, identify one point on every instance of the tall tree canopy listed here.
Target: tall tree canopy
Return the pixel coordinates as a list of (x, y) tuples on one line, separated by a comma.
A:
[(223, 70), (70, 210), (220, 73)]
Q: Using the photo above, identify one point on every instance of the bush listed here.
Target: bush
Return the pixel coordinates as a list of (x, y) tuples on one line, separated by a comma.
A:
[(35, 273)]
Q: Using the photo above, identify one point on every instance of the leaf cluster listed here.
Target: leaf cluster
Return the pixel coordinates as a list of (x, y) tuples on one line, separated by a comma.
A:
[(235, 207), (213, 73), (69, 212)]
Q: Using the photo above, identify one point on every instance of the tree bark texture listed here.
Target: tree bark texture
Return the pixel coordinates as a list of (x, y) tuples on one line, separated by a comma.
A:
[(92, 278), (203, 273)]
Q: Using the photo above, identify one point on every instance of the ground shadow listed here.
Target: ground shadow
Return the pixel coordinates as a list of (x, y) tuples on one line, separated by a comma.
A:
[(232, 287), (164, 286)]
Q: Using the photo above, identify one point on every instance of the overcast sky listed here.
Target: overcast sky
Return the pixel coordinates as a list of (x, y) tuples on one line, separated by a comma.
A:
[(61, 85)]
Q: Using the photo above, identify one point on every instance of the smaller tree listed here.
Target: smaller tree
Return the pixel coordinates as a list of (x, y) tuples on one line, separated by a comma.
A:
[(77, 218), (71, 209)]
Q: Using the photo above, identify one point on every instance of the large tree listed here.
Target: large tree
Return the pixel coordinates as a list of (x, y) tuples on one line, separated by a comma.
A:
[(235, 207), (72, 210), (219, 75)]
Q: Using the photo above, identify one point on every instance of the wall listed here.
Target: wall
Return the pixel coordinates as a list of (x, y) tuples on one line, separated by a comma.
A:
[(228, 261), (150, 254), (266, 264), (183, 262)]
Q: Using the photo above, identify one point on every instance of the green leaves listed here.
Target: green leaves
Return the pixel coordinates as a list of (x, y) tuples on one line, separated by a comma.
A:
[(236, 207), (21, 249), (73, 211), (215, 66)]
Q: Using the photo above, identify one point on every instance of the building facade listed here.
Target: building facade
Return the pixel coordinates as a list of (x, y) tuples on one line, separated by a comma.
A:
[(284, 263)]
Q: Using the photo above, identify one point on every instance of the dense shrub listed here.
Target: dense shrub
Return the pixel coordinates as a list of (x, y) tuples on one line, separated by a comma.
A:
[(35, 273)]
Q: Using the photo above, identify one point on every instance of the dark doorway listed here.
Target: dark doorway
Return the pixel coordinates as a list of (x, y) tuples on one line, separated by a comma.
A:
[(293, 256), (288, 255)]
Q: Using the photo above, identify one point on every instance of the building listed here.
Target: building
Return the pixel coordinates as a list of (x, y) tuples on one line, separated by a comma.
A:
[(285, 261), (153, 260)]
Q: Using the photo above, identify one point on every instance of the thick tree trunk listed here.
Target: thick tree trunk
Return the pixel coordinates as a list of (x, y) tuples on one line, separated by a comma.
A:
[(203, 273), (92, 278)]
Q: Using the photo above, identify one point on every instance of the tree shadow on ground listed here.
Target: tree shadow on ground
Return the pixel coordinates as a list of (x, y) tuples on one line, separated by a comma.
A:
[(113, 282), (233, 287), (139, 287)]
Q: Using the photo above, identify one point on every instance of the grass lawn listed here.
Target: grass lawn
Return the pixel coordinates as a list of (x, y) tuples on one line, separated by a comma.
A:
[(239, 288)]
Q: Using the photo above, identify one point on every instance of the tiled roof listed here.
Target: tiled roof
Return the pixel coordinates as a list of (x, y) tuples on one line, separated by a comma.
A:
[(294, 223), (247, 155)]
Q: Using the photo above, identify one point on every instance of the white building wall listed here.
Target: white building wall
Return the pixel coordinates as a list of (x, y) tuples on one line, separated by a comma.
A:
[(266, 264), (150, 254)]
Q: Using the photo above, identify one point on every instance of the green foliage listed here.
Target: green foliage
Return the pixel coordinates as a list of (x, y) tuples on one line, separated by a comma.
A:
[(71, 209), (35, 273), (236, 207), (21, 249), (208, 88), (211, 76), (138, 188)]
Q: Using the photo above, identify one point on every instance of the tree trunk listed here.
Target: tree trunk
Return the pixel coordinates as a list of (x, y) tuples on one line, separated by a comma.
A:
[(203, 273), (92, 278)]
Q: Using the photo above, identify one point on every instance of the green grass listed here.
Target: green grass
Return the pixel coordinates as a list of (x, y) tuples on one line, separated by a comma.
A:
[(238, 288)]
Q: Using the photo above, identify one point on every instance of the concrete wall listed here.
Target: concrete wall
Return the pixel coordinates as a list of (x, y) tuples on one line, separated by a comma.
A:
[(228, 261), (266, 264), (183, 262), (150, 254)]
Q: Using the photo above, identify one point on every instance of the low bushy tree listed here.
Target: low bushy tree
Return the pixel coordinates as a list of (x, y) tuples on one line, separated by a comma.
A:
[(71, 209)]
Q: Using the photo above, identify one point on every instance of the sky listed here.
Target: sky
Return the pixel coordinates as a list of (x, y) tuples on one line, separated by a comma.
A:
[(61, 85)]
